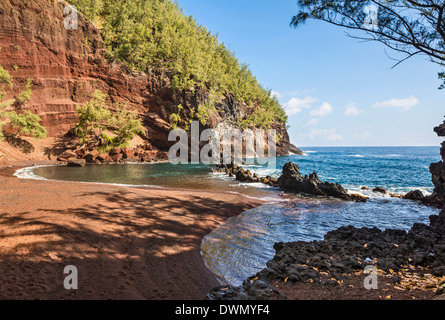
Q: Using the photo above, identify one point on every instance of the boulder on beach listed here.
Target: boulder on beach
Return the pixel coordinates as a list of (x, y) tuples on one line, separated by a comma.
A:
[(74, 162)]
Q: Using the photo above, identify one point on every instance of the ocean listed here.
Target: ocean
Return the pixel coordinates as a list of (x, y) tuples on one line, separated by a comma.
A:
[(242, 245)]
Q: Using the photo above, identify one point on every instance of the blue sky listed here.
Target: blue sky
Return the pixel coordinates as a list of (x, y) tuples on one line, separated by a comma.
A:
[(337, 91)]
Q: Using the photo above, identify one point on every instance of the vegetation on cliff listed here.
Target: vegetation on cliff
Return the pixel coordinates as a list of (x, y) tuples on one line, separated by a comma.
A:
[(26, 122), (95, 117), (147, 34)]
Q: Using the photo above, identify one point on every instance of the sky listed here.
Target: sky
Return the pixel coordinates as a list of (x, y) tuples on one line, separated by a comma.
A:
[(337, 91)]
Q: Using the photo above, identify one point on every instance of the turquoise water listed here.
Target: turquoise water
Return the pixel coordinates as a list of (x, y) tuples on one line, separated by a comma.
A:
[(241, 246), (398, 169)]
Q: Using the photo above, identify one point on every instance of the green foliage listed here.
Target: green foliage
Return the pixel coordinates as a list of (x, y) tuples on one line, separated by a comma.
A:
[(175, 118), (5, 77), (156, 33), (25, 95), (126, 125), (202, 114), (27, 124), (94, 115)]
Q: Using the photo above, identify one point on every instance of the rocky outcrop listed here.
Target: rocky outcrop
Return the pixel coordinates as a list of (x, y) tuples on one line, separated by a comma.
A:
[(244, 175), (84, 155), (430, 200), (402, 256), (292, 180), (66, 66), (438, 169)]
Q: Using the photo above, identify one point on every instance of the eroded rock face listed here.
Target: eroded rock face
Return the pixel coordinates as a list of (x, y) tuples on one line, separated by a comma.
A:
[(438, 169), (67, 66)]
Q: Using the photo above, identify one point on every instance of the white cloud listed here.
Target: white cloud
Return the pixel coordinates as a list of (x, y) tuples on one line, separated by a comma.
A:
[(352, 110), (312, 122), (326, 134), (295, 105), (404, 104), (324, 110), (276, 94)]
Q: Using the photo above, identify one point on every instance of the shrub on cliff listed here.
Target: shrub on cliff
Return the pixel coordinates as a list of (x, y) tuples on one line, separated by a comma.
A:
[(92, 115), (26, 122), (125, 125), (95, 117)]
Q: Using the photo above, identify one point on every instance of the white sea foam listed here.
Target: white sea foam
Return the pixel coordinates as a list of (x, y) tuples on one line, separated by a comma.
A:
[(396, 190), (28, 173), (356, 156)]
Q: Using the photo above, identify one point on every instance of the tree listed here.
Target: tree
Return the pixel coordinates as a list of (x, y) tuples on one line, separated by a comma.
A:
[(92, 115), (125, 125), (26, 122), (405, 26), (95, 117)]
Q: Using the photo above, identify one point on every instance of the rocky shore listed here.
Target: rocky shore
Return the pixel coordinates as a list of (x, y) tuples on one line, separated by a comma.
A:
[(412, 261), (82, 156), (411, 264), (292, 180), (438, 169)]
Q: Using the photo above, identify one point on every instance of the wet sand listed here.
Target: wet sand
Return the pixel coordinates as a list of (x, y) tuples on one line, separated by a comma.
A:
[(126, 243)]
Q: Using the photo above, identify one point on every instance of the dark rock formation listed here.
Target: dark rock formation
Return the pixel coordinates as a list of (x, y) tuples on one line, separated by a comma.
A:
[(415, 195), (379, 190), (244, 175), (292, 180), (250, 290), (348, 250), (438, 169)]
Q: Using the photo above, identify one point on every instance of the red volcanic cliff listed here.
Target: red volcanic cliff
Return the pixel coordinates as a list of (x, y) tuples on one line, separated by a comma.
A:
[(66, 66)]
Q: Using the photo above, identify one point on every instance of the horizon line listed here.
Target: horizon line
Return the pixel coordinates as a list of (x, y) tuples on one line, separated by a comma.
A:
[(413, 146)]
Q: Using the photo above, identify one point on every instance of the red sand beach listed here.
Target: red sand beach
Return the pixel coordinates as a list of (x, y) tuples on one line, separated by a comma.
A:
[(127, 243)]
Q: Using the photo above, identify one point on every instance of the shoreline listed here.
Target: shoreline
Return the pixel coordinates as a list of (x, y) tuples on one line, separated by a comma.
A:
[(126, 242)]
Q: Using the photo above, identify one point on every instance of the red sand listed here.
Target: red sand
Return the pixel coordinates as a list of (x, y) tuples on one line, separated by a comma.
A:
[(127, 243)]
